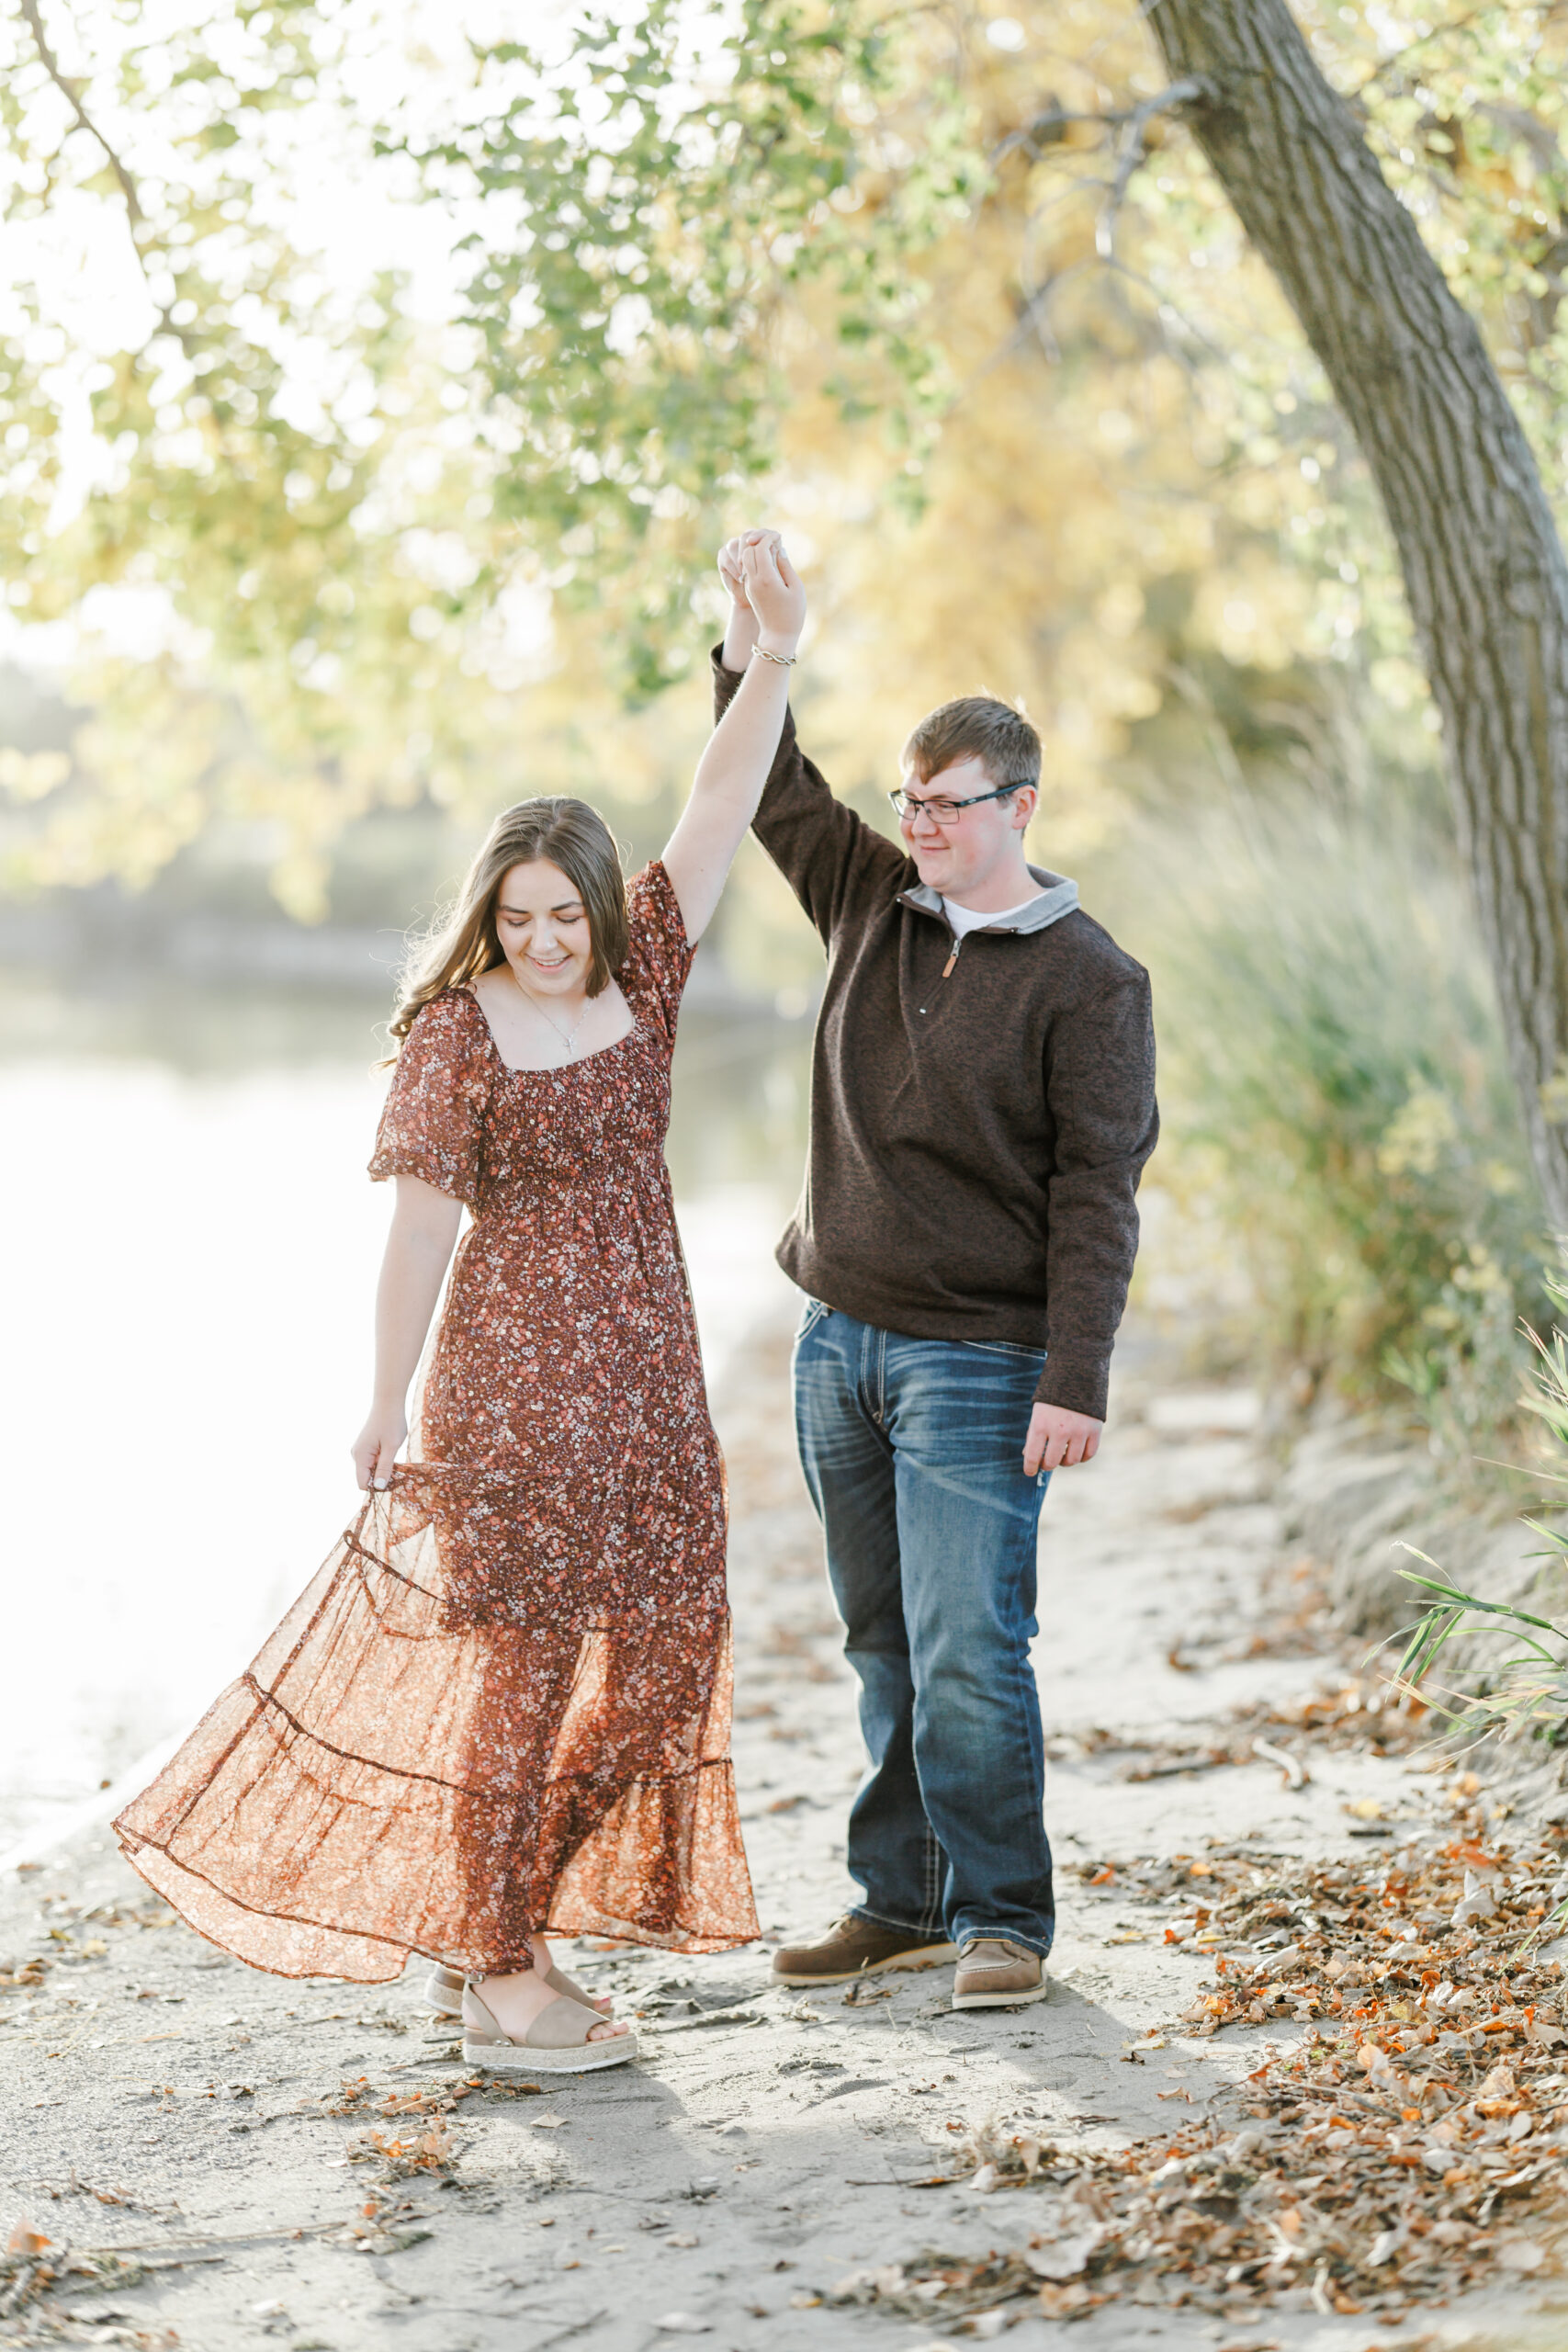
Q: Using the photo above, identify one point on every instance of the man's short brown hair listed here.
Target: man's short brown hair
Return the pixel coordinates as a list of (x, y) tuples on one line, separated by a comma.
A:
[(975, 727)]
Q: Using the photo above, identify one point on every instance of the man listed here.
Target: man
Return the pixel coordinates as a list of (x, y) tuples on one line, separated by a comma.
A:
[(982, 1103)]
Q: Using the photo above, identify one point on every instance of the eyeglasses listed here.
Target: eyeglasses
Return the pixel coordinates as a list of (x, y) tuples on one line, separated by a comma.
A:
[(941, 810)]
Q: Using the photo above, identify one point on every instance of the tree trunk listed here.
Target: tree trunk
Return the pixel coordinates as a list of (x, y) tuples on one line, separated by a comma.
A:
[(1483, 567)]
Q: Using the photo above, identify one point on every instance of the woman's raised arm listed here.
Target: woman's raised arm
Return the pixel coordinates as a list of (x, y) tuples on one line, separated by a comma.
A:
[(425, 1227), (734, 767)]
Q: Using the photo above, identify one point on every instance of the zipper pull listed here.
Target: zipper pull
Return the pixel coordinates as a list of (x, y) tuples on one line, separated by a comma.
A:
[(952, 959)]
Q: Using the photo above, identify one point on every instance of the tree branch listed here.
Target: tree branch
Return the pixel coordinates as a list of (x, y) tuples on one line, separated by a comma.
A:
[(1130, 152), (70, 91), (135, 212), (1036, 134)]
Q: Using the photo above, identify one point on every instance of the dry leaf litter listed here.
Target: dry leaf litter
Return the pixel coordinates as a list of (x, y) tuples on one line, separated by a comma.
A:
[(1354, 1715), (1393, 2156)]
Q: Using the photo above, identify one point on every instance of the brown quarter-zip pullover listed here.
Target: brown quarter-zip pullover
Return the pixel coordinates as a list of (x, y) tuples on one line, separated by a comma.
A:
[(981, 1108)]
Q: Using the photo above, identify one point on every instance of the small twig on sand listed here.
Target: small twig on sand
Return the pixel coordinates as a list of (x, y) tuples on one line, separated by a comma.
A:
[(740, 2013), (934, 2180), (1294, 1772), (578, 2327)]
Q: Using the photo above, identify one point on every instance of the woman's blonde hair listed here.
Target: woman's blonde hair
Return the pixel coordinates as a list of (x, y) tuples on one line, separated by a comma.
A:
[(465, 942)]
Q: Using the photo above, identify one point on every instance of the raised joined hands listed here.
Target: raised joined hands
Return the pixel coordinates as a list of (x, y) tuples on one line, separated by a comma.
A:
[(762, 581)]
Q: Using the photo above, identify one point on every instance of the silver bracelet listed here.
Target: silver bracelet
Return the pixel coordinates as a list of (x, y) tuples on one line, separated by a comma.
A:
[(785, 660)]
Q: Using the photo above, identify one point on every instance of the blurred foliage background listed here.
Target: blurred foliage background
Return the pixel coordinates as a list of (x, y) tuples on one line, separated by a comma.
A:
[(377, 388)]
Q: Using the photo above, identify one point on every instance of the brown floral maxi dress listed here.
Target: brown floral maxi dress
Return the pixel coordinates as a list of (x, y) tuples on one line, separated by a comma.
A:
[(502, 1705)]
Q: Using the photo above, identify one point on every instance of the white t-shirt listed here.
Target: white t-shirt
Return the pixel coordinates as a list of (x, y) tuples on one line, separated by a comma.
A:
[(966, 919)]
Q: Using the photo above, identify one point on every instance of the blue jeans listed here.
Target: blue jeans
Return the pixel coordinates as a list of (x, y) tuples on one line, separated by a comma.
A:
[(913, 1451)]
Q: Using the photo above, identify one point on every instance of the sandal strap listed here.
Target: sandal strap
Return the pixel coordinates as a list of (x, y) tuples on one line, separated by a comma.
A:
[(491, 2029), (561, 2024), (559, 1982)]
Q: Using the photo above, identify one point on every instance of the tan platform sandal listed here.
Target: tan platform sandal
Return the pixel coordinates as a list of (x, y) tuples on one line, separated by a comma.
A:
[(444, 1991), (556, 2043)]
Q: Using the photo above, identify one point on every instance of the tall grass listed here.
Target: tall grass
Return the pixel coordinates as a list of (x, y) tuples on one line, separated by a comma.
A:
[(1524, 1692), (1333, 1069)]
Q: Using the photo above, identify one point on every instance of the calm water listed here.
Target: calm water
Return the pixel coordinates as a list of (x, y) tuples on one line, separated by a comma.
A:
[(191, 1251)]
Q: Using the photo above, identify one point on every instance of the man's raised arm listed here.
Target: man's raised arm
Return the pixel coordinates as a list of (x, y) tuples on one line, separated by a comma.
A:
[(830, 858)]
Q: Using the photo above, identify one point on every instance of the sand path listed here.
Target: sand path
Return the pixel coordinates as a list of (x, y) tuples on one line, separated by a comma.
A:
[(723, 2186)]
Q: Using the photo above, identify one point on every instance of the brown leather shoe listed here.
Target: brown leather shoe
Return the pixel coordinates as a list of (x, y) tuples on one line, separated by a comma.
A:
[(854, 1947), (995, 1973)]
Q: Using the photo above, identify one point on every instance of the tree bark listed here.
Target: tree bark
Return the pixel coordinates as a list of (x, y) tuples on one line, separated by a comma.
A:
[(1483, 567)]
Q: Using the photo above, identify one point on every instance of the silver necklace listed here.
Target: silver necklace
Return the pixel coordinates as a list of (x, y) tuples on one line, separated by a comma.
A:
[(567, 1040)]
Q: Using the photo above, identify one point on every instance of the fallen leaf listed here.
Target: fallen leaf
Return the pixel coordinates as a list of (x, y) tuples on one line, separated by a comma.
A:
[(1064, 2258), (1068, 2303), (1518, 2253)]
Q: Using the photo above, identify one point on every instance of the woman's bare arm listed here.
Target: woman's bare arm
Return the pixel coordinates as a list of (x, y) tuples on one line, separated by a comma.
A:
[(734, 767), (419, 1249)]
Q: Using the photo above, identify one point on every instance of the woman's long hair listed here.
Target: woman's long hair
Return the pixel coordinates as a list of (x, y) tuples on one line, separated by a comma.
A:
[(465, 942)]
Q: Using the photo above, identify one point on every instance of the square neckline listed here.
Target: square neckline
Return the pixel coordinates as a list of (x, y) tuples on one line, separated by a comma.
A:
[(549, 1070)]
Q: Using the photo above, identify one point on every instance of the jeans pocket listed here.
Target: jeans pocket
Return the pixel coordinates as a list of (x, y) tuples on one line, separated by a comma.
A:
[(815, 1311)]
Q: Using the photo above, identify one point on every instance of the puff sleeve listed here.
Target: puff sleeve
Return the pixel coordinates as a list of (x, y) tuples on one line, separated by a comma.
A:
[(432, 1121), (659, 959)]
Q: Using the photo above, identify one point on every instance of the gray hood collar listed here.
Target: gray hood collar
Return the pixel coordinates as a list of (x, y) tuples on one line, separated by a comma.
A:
[(1060, 896)]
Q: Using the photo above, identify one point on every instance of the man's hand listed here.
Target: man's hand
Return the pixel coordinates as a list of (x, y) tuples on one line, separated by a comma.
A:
[(1057, 1440)]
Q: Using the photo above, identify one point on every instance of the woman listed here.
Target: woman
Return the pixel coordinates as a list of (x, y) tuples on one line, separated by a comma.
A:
[(503, 1706)]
